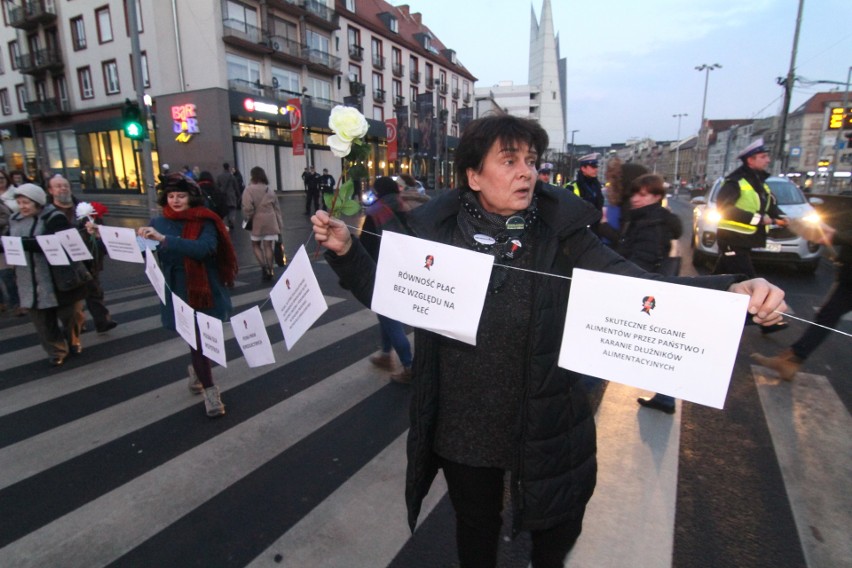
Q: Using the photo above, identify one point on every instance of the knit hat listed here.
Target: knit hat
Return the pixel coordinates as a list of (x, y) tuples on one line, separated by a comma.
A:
[(32, 192)]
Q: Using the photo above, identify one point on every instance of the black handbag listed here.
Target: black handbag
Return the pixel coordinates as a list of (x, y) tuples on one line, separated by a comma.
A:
[(280, 257), (69, 277)]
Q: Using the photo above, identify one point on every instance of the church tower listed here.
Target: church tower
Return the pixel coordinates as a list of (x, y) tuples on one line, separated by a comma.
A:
[(547, 74)]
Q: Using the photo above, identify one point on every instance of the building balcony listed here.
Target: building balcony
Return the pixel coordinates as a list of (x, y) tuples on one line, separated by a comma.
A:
[(398, 70), (286, 49), (39, 62), (378, 62), (466, 98), (48, 108), (356, 52), (456, 93), (414, 77), (429, 83), (322, 62), (379, 95), (31, 14), (455, 118), (320, 15), (443, 88), (357, 89), (246, 36), (399, 101)]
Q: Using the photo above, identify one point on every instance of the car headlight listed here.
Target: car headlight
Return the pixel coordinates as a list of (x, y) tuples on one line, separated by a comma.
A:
[(713, 216), (812, 218)]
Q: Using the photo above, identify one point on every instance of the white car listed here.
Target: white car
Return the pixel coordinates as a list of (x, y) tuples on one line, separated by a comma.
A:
[(782, 245)]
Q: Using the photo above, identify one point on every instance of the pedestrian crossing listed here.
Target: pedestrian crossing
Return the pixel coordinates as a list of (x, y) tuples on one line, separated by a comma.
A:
[(110, 461)]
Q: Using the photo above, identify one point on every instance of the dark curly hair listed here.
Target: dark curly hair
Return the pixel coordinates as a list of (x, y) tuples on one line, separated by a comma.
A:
[(179, 182), (482, 133)]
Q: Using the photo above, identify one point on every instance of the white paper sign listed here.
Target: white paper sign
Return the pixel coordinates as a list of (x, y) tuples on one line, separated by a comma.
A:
[(431, 285), (297, 298), (155, 276), (668, 338), (184, 320), (51, 246), (121, 244), (13, 248), (252, 337), (73, 244), (212, 338)]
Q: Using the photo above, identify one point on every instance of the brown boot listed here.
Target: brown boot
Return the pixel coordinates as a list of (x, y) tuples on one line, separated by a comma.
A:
[(382, 361), (786, 364), (403, 376)]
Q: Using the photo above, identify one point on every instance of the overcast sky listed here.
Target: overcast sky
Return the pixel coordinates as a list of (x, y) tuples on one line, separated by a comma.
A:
[(631, 64)]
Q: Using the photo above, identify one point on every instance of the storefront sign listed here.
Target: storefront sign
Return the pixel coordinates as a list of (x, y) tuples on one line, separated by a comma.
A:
[(390, 126), (295, 105), (184, 122)]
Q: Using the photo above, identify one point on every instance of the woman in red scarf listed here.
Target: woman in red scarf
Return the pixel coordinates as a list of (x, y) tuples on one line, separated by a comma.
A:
[(199, 264)]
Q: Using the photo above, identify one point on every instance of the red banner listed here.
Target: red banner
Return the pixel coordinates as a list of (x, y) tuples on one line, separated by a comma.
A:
[(390, 126), (294, 110)]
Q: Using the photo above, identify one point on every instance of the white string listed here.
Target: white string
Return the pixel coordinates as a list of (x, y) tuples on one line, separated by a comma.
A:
[(785, 314)]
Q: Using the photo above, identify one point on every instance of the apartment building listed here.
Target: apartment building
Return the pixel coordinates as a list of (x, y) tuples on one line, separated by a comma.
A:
[(224, 78)]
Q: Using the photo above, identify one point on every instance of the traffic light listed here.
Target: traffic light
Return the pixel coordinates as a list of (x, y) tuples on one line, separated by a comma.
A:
[(131, 120)]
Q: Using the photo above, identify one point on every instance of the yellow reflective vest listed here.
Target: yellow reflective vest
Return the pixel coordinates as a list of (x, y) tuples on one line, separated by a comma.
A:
[(749, 201)]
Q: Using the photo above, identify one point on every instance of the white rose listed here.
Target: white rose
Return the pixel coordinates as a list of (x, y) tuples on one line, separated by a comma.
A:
[(347, 123), (339, 147)]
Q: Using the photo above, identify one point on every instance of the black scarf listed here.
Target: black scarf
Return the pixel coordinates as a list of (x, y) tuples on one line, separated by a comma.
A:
[(479, 227)]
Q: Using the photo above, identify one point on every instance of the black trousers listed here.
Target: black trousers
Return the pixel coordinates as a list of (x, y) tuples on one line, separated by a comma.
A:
[(838, 303), (477, 497), (734, 260), (312, 198)]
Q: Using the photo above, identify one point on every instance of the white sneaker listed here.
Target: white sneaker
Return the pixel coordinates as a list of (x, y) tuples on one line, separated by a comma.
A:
[(195, 386), (213, 403)]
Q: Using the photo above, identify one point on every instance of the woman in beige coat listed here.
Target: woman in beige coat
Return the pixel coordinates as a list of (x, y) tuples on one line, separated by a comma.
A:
[(260, 206)]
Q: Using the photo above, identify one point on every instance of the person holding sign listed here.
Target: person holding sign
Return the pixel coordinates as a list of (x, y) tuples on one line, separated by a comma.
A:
[(504, 405), (198, 262), (48, 306)]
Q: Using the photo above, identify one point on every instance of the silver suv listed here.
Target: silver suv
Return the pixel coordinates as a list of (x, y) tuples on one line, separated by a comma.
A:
[(782, 246)]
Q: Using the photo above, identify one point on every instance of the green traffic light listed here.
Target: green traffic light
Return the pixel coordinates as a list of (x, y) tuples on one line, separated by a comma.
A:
[(133, 130)]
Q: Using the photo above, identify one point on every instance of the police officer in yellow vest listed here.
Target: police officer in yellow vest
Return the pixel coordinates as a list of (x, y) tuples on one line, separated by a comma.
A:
[(747, 208), (587, 185)]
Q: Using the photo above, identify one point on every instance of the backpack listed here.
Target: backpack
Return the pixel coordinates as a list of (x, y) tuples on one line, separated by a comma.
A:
[(214, 198)]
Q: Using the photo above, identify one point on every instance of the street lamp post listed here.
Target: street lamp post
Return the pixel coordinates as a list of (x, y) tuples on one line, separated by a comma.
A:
[(571, 162), (706, 67), (678, 116)]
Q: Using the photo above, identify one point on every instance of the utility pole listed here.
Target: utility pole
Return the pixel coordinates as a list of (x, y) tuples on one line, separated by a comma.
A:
[(780, 153), (571, 166), (145, 150), (677, 152)]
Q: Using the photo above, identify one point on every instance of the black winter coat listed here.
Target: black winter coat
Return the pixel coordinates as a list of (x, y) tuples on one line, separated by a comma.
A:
[(647, 234), (555, 470)]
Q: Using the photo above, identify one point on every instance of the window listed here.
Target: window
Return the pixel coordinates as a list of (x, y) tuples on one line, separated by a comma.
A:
[(412, 94), (378, 59), (14, 54), (61, 90), (2, 67), (354, 73), (317, 41), (286, 80), (350, 5), (243, 70), (319, 88), (397, 90), (84, 78), (146, 80), (240, 17), (430, 73), (21, 92), (378, 82), (111, 77), (393, 25), (378, 113), (5, 107), (285, 29), (138, 18), (104, 24), (40, 90)]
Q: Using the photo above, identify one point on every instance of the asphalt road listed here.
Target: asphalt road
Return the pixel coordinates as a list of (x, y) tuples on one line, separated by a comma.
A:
[(109, 461)]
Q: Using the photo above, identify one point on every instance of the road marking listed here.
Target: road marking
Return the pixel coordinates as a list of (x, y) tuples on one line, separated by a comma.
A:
[(105, 528), (810, 429), (55, 446), (632, 512)]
